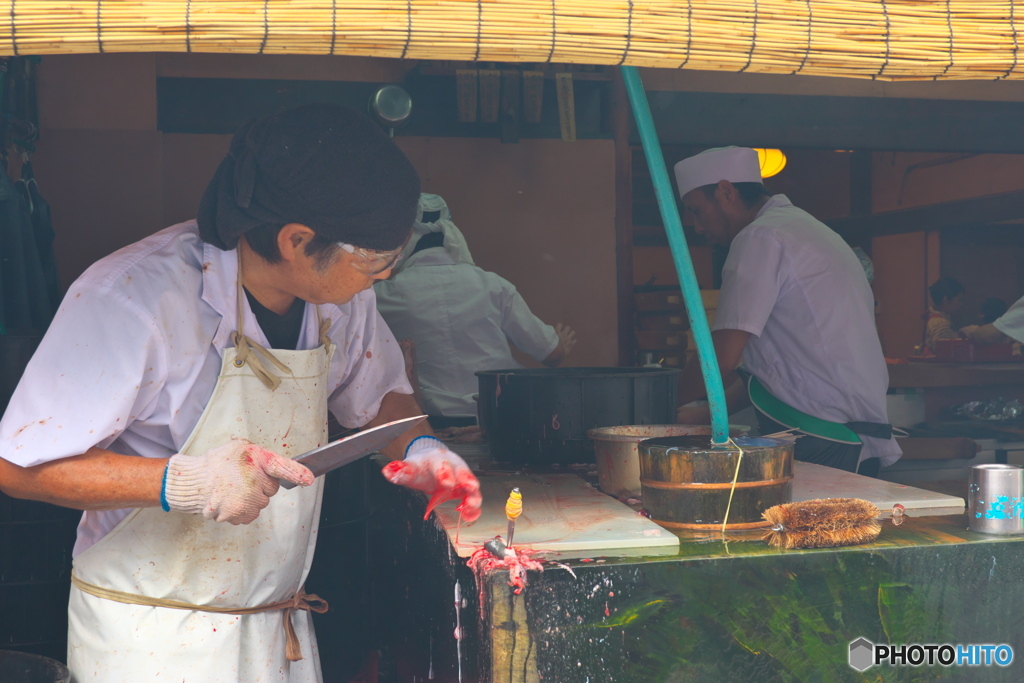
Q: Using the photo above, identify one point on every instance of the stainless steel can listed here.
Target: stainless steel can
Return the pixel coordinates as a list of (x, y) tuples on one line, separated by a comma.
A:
[(995, 499)]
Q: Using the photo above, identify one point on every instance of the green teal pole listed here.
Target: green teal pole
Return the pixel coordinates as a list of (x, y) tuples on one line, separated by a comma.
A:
[(680, 255)]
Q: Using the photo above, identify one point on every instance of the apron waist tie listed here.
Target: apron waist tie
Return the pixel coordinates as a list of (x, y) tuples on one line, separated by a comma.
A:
[(300, 601)]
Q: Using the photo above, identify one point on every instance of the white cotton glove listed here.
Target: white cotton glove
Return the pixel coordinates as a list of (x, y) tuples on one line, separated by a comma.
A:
[(230, 483), (430, 467)]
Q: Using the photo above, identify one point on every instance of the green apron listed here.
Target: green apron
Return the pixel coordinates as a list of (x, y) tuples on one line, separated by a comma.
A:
[(791, 418)]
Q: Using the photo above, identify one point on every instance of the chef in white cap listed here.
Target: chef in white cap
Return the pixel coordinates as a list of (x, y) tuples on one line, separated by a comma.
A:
[(795, 310), (460, 317)]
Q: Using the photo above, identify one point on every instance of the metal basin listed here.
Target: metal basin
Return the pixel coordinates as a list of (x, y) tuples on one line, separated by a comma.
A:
[(618, 462)]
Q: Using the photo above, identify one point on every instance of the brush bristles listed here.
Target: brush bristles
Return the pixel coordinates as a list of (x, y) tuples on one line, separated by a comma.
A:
[(824, 537), (823, 523)]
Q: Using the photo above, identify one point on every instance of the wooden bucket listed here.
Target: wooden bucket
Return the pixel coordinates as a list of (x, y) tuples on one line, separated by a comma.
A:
[(686, 483)]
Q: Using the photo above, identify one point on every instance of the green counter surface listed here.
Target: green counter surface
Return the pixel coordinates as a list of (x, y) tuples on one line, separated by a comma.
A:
[(733, 610), (912, 533), (739, 610)]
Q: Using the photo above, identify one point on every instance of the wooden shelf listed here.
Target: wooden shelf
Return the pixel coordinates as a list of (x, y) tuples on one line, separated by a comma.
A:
[(654, 236), (973, 211), (925, 375)]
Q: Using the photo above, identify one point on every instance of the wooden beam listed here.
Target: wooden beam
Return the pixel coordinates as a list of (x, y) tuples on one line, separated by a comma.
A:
[(222, 105), (620, 118), (861, 123), (993, 208)]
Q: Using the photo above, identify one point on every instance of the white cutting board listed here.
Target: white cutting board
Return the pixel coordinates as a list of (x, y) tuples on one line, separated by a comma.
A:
[(812, 481), (561, 514)]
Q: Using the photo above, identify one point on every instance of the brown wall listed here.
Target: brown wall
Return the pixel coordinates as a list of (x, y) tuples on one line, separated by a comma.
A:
[(906, 179), (900, 277), (99, 158), (540, 212)]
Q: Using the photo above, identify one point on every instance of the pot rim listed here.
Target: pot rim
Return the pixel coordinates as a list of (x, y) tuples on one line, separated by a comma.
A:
[(579, 373), (608, 433)]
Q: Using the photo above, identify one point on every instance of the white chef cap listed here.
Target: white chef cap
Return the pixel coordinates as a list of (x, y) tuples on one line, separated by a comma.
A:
[(454, 240), (735, 164), (430, 203)]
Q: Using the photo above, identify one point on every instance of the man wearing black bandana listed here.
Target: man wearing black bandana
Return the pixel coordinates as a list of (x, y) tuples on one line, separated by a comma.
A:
[(182, 374)]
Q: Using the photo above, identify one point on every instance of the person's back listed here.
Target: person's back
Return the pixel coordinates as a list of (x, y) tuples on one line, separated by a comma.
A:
[(462, 319), (822, 318)]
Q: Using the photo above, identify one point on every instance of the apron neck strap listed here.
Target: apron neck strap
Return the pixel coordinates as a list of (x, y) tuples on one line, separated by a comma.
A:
[(324, 326), (247, 349)]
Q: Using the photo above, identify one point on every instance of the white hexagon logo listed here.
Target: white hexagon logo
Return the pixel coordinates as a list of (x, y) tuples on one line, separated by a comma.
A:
[(862, 654)]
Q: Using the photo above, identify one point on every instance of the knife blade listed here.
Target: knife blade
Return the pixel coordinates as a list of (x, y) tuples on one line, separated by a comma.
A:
[(322, 460)]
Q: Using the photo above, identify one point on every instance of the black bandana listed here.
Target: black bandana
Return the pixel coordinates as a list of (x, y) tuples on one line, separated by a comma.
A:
[(327, 167)]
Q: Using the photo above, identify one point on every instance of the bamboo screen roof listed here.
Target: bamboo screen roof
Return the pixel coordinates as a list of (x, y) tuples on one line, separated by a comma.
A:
[(884, 39)]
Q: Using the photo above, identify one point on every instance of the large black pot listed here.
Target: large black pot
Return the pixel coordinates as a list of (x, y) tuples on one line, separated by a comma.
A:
[(20, 667), (15, 352), (36, 540), (542, 416)]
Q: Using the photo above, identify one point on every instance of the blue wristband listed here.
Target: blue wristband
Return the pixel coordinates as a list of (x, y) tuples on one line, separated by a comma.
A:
[(163, 491), (425, 436)]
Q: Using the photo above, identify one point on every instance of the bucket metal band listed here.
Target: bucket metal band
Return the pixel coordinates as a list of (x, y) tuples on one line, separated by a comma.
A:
[(715, 485)]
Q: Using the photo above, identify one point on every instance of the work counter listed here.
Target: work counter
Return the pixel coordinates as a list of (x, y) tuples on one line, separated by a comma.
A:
[(919, 374), (706, 610), (950, 384)]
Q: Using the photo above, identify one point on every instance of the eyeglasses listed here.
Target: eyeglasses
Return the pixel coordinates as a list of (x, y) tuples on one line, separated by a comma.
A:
[(373, 262)]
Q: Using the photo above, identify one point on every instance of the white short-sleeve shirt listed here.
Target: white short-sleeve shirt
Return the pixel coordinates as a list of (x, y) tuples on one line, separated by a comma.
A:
[(1011, 323), (462, 319), (800, 291), (133, 354)]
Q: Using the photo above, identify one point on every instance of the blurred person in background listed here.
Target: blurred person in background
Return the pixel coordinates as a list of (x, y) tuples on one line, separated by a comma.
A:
[(947, 295), (1007, 327), (991, 310), (456, 318)]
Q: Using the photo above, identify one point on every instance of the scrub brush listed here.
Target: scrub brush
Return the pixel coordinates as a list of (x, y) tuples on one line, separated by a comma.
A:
[(822, 523)]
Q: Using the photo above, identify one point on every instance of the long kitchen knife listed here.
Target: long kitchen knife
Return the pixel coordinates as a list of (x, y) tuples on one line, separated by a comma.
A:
[(322, 460)]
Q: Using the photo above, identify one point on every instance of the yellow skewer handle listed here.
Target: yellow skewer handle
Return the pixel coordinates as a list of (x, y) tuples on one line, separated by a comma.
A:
[(514, 505)]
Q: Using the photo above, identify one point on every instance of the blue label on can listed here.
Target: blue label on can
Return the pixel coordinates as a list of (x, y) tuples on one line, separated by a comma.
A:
[(1003, 507)]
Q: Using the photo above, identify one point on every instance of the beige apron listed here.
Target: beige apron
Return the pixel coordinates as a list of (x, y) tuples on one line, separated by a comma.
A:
[(207, 565)]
